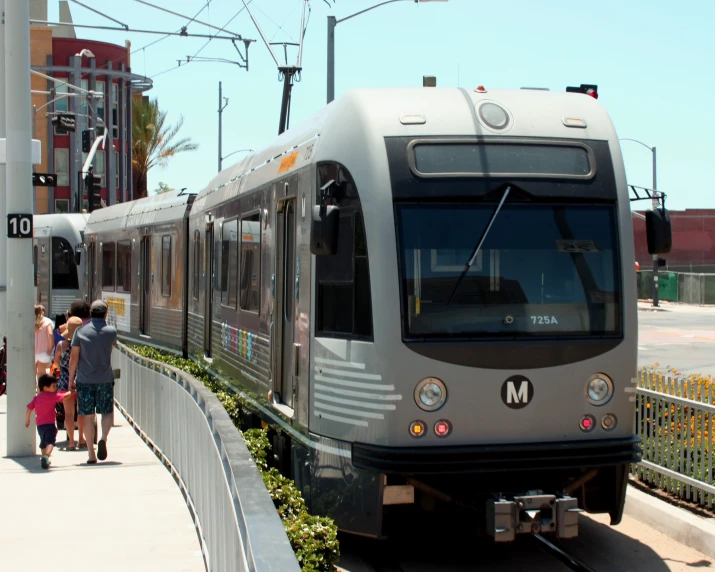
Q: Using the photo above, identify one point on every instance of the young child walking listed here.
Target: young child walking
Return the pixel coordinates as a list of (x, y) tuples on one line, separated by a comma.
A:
[(44, 405)]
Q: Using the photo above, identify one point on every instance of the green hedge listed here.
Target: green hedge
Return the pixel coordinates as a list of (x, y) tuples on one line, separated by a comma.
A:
[(314, 539)]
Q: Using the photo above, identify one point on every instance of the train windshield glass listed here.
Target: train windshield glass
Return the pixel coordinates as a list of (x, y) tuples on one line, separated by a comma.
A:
[(542, 271)]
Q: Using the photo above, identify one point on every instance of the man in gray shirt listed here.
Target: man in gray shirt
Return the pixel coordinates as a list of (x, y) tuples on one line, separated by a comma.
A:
[(90, 359)]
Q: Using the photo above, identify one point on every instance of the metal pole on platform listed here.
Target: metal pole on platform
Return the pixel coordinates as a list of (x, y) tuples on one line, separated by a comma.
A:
[(3, 212), (20, 309), (655, 256)]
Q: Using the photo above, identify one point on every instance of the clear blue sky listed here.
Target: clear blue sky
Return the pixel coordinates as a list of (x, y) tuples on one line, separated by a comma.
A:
[(652, 60)]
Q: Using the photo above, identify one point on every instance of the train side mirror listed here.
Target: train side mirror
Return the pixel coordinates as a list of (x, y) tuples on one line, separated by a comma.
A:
[(658, 231), (325, 224)]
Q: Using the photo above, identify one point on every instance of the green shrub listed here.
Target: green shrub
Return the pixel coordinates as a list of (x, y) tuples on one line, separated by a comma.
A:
[(314, 539)]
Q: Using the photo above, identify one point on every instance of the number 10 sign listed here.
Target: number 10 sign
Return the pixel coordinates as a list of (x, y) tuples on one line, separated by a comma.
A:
[(19, 226)]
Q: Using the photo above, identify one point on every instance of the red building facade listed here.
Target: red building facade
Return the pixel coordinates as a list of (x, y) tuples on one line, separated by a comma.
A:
[(693, 241)]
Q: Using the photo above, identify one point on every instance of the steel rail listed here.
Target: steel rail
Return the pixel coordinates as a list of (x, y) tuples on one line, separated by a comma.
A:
[(570, 561)]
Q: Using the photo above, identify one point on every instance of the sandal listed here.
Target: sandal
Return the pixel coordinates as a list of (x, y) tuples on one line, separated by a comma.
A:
[(91, 461), (82, 445), (71, 447)]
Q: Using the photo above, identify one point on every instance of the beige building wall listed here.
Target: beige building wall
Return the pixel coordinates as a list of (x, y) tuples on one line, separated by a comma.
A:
[(40, 48)]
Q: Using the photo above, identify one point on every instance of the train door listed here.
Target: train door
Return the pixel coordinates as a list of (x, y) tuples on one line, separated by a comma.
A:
[(147, 277), (286, 350), (43, 274), (208, 287)]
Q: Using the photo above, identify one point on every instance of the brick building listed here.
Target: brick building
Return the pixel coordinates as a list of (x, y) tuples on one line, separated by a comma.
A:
[(92, 66), (693, 242)]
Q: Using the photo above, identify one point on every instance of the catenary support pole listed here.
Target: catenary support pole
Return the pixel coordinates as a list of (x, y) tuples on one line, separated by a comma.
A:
[(655, 256), (20, 310), (331, 58), (3, 211)]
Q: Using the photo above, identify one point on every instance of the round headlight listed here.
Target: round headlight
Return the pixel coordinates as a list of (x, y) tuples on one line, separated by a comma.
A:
[(430, 394), (493, 116), (599, 389)]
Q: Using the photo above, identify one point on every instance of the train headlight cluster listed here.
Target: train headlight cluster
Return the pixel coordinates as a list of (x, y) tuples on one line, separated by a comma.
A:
[(430, 394), (599, 389)]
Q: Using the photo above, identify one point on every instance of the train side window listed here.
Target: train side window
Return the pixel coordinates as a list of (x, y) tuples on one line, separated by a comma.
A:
[(108, 252), (197, 263), (229, 263), (124, 266), (64, 269), (344, 302), (250, 262), (166, 266)]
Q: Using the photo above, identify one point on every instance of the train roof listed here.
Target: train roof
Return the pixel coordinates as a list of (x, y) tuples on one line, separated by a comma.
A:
[(67, 225), (349, 127), (156, 209)]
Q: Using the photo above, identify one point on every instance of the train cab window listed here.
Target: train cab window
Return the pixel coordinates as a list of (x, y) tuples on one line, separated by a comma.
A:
[(250, 262), (124, 266), (197, 263), (64, 269), (166, 266), (108, 260), (229, 263), (344, 302)]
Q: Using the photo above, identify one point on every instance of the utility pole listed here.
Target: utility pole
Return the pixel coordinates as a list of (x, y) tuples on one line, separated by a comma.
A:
[(655, 256), (221, 106), (20, 309), (3, 211), (331, 58)]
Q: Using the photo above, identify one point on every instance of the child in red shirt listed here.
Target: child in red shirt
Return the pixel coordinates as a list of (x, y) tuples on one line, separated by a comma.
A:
[(44, 405)]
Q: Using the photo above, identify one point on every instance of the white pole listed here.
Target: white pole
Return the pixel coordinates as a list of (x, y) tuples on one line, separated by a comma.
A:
[(20, 309), (3, 211)]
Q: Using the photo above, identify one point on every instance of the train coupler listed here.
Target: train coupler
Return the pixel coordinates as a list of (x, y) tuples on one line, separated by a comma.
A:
[(532, 513)]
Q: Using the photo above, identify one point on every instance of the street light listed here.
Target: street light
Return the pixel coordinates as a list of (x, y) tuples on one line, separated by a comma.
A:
[(84, 52), (234, 152), (655, 206), (332, 22)]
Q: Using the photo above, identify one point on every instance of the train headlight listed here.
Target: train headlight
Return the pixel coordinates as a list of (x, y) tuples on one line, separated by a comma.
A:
[(599, 389), (430, 394)]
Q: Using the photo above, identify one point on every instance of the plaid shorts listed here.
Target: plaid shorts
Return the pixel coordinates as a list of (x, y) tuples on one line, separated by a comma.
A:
[(95, 397)]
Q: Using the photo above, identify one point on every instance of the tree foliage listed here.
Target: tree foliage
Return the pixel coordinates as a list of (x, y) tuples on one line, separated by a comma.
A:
[(154, 142)]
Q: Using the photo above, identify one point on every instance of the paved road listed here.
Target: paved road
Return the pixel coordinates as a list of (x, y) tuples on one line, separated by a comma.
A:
[(682, 337)]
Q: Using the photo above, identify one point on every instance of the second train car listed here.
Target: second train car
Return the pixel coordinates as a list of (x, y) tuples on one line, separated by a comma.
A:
[(429, 293)]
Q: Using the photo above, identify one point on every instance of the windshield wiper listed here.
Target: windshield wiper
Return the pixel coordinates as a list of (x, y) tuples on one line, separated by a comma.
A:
[(473, 257)]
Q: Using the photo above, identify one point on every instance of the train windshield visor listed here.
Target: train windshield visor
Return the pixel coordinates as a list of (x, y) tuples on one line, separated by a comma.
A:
[(542, 271), (501, 158)]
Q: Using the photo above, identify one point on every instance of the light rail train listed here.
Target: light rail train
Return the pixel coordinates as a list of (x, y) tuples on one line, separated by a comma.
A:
[(57, 260), (428, 293)]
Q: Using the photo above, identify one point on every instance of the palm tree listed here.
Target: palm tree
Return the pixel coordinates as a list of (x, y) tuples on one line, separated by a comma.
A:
[(153, 142)]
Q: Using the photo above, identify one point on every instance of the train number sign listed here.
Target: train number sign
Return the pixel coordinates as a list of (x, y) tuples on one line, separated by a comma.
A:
[(19, 226)]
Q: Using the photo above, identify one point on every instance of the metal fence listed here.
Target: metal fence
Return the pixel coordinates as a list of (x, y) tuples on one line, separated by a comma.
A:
[(684, 287), (676, 421), (189, 428)]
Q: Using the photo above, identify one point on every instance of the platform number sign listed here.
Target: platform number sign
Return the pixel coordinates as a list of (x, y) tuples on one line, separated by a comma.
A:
[(19, 226)]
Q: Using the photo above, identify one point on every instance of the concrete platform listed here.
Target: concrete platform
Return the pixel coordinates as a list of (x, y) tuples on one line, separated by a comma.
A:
[(125, 513)]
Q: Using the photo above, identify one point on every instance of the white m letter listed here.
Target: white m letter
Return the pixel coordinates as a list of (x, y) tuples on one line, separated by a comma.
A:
[(521, 396)]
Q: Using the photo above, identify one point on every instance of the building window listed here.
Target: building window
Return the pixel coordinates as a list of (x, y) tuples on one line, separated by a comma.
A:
[(166, 266), (229, 263), (61, 104), (344, 304), (108, 252), (124, 266), (62, 205), (100, 167), (197, 262), (115, 116), (250, 262), (62, 166), (98, 104)]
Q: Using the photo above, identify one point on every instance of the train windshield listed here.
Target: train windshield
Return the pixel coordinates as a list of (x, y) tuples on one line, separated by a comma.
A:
[(541, 271)]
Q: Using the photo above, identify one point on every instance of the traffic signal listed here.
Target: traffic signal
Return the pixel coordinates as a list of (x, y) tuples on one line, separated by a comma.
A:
[(662, 263), (86, 140), (44, 179), (92, 185), (63, 123), (587, 88)]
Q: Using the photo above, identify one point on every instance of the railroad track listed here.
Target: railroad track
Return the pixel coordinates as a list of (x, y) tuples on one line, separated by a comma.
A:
[(572, 562)]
